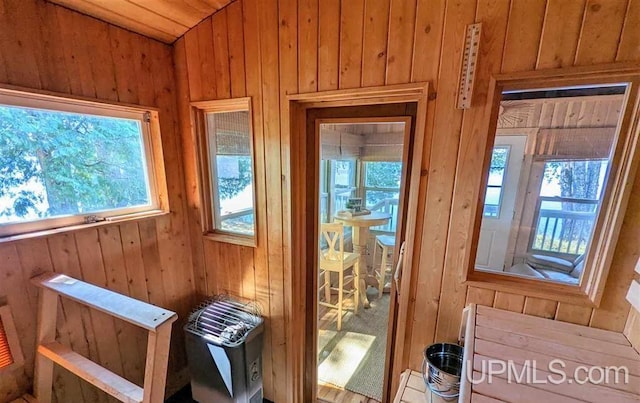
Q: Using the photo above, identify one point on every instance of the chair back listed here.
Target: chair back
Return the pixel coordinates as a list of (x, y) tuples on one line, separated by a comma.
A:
[(333, 256)]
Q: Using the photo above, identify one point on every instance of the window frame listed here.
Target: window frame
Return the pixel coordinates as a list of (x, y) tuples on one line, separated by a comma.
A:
[(12, 339), (622, 169), (205, 175), (153, 161)]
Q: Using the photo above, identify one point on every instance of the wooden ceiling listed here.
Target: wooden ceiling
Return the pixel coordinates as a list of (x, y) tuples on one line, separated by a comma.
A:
[(165, 20)]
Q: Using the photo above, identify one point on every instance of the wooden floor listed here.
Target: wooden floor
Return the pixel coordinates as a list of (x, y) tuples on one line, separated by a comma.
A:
[(331, 394)]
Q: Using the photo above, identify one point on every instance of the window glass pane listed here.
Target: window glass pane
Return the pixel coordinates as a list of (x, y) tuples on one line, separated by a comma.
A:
[(499, 157), (383, 174), (55, 164), (580, 179), (492, 201), (230, 143), (345, 173), (496, 177)]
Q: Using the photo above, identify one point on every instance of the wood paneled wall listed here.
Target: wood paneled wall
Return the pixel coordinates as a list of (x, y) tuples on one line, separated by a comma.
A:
[(47, 47), (267, 49)]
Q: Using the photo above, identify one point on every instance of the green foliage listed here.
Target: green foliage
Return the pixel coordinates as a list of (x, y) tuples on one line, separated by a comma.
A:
[(229, 187), (383, 174), (54, 163), (499, 158)]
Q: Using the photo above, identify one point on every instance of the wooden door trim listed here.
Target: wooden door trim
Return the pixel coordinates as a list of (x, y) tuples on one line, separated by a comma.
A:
[(294, 159)]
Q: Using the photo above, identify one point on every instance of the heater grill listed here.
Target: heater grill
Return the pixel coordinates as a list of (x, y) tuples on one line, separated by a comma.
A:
[(224, 321), (224, 349)]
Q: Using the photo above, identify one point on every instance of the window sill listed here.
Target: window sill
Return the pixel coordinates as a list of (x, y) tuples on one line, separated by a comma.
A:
[(78, 227), (236, 239)]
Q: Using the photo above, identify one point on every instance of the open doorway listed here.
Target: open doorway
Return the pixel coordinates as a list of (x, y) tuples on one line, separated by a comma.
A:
[(362, 170)]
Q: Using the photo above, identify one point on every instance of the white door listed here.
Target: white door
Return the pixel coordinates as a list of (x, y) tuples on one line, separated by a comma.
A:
[(503, 187)]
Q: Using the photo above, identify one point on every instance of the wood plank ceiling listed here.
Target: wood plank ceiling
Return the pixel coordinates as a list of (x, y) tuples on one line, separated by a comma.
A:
[(165, 20)]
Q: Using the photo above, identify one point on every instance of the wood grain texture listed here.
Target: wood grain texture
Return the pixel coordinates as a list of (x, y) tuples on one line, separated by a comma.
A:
[(70, 53), (342, 44), (164, 20)]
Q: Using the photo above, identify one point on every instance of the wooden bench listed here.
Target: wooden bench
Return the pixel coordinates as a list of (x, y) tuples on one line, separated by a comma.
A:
[(493, 334), (156, 320)]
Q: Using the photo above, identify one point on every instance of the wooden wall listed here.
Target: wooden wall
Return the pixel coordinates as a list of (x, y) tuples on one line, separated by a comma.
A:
[(268, 49), (43, 46)]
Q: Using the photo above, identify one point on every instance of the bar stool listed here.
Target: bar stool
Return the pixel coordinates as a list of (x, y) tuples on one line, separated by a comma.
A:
[(387, 243), (335, 260)]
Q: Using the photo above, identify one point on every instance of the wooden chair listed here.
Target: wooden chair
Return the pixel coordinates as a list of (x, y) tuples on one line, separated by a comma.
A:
[(335, 260), (387, 243)]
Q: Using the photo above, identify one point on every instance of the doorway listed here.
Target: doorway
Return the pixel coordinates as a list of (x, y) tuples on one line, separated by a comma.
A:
[(507, 161), (361, 182), (301, 153), (362, 160)]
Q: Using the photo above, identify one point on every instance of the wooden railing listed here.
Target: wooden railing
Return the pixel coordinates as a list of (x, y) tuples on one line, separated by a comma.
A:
[(388, 206), (564, 231)]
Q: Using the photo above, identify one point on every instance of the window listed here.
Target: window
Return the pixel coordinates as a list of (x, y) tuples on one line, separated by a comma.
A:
[(497, 171), (66, 162), (569, 198), (228, 170), (382, 190), (10, 352)]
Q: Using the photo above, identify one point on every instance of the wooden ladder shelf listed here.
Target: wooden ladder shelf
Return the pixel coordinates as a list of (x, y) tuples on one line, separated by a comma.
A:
[(156, 320)]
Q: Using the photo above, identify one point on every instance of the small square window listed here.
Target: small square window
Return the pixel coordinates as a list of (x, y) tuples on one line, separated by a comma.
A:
[(227, 170)]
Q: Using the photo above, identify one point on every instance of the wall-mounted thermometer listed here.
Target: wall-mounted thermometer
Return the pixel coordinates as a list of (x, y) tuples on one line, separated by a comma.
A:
[(469, 61)]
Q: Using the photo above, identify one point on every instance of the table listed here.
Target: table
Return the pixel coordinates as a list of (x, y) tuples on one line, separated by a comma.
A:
[(360, 235)]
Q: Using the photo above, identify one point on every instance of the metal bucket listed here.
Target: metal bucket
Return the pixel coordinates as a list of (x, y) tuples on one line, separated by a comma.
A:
[(442, 369)]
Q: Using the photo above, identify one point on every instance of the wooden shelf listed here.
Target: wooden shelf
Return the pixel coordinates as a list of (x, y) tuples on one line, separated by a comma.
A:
[(113, 384), (120, 306)]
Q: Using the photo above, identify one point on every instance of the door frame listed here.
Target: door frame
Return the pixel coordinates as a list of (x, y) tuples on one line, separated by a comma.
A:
[(299, 215)]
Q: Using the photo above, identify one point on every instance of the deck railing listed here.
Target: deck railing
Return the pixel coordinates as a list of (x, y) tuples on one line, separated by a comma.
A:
[(564, 231), (388, 206)]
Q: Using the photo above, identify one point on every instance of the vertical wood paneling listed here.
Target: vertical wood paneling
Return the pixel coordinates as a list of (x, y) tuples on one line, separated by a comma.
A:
[(351, 30), (480, 296), (523, 35), (328, 44), (43, 46), (402, 21), (509, 302), (540, 307), (629, 47), (600, 32), (252, 35), (560, 33), (308, 20), (206, 56), (346, 44), (374, 53), (236, 50), (269, 52), (470, 157), (221, 51), (439, 190)]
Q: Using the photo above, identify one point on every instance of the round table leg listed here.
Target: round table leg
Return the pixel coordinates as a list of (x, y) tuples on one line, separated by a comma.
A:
[(360, 235)]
